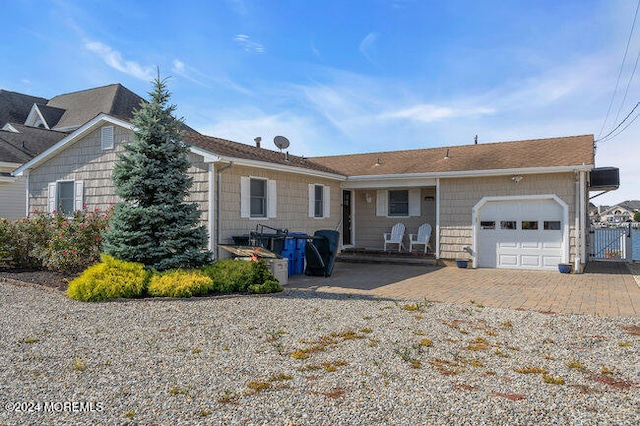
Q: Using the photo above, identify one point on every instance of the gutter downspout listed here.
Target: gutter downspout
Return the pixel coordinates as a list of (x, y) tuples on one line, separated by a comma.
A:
[(26, 203), (583, 218), (578, 233), (218, 238), (437, 218)]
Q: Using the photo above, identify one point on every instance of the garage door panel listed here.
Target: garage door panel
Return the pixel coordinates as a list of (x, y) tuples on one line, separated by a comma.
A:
[(531, 245), (536, 242), (507, 260), (530, 261), (552, 245)]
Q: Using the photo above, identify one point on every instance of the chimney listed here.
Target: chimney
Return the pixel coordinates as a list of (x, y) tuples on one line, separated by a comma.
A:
[(475, 140), (257, 140)]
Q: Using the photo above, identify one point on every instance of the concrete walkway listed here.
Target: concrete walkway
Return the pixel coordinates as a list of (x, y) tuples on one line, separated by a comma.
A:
[(607, 289)]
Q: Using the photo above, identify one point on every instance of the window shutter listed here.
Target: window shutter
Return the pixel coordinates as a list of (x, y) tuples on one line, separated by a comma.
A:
[(312, 199), (245, 196), (326, 200), (382, 202), (414, 202), (107, 137), (51, 196), (78, 195), (272, 199)]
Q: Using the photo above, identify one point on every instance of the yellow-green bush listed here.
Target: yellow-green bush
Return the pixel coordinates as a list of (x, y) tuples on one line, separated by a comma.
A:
[(179, 283), (109, 279)]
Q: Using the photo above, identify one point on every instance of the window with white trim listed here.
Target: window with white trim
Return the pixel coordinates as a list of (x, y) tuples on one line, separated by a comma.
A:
[(66, 196), (319, 201), (398, 202), (106, 137), (258, 197)]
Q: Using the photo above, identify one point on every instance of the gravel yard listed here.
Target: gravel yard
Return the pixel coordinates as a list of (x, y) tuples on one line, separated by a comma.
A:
[(309, 358)]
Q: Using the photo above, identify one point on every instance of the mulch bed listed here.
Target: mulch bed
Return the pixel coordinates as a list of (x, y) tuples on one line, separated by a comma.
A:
[(56, 280)]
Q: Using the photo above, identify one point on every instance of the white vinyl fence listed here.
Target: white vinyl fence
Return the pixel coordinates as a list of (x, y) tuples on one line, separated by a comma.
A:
[(611, 244)]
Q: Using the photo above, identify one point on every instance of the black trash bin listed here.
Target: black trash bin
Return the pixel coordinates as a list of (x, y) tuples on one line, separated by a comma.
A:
[(321, 251)]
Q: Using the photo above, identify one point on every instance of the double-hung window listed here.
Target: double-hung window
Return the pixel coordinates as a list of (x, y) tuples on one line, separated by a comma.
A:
[(65, 196), (258, 198), (398, 202), (319, 201)]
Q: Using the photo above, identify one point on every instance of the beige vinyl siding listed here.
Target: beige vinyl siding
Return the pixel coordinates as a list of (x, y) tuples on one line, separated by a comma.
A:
[(369, 227), (292, 202), (86, 161), (12, 198), (458, 196)]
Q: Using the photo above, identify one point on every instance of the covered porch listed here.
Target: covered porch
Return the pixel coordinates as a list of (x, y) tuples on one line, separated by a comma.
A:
[(371, 208)]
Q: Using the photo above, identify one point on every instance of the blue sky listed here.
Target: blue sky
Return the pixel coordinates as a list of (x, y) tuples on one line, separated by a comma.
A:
[(350, 76)]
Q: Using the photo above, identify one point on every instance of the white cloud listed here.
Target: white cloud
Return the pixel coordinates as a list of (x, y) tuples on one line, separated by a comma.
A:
[(367, 47), (427, 113), (248, 45), (114, 59), (207, 80), (239, 6)]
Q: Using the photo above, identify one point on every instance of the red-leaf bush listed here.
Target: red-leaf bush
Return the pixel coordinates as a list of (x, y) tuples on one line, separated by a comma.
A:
[(53, 241)]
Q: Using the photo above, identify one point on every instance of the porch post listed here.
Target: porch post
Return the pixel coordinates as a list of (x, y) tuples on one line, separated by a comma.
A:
[(437, 218)]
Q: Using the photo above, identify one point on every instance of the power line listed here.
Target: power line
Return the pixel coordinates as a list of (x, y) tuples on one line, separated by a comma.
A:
[(626, 90), (609, 136), (624, 58)]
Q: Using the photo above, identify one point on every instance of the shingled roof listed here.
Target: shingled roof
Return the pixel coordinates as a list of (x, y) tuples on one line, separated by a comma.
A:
[(536, 153), (15, 107), (80, 107), (26, 143), (236, 150)]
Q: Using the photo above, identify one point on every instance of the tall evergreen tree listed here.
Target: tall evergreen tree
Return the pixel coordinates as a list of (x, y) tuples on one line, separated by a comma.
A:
[(153, 224)]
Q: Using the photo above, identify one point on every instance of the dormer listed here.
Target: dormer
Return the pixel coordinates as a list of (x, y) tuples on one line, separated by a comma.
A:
[(44, 116)]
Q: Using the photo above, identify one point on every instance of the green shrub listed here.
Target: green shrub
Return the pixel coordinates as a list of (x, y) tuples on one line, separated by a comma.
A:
[(110, 279), (229, 276), (269, 286), (179, 283), (237, 276)]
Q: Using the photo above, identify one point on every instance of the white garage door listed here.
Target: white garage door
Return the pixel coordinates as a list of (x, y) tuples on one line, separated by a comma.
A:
[(521, 234)]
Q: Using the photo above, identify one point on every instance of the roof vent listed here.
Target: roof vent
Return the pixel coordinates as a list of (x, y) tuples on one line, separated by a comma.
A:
[(257, 140), (446, 156), (475, 140)]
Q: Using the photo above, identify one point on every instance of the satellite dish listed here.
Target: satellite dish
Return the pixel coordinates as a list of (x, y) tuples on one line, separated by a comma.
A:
[(281, 142)]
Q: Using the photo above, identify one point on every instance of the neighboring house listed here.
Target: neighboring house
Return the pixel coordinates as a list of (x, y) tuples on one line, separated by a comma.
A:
[(620, 213), (15, 107), (512, 204), (31, 125), (17, 146)]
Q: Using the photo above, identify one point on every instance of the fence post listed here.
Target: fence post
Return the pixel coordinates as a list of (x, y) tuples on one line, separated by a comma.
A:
[(628, 253)]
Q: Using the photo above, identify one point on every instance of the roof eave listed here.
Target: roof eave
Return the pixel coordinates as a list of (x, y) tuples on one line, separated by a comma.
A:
[(281, 167), (475, 173)]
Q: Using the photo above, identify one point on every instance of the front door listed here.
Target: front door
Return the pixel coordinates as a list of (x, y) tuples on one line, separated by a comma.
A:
[(346, 218)]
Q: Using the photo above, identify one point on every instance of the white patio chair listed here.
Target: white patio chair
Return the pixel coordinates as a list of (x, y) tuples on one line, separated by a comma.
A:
[(395, 237), (421, 238)]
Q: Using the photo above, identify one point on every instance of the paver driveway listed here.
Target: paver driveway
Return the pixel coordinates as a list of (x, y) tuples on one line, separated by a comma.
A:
[(604, 289)]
